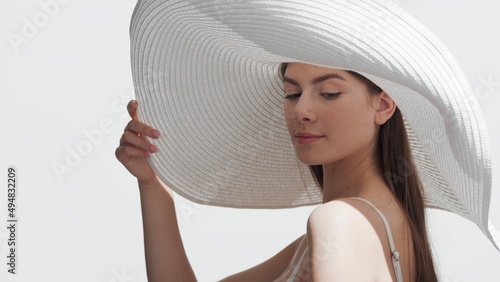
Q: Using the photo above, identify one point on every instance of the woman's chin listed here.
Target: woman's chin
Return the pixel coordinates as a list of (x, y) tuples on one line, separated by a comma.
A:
[(308, 160)]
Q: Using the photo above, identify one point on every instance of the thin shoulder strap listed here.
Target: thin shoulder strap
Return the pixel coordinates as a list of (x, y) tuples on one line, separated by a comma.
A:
[(394, 252), (297, 266)]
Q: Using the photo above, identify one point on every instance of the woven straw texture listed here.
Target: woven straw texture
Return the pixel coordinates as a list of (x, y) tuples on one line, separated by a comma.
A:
[(206, 74)]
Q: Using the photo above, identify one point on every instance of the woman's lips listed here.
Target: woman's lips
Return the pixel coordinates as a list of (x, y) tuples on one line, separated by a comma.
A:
[(307, 138)]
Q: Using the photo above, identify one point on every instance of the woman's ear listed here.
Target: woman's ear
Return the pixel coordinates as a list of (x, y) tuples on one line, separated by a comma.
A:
[(384, 108)]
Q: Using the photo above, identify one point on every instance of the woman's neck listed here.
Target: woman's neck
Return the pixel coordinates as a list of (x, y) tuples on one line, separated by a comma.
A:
[(355, 177)]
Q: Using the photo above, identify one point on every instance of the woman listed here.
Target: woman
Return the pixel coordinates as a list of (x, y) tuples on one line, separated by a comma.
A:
[(209, 76), (322, 108)]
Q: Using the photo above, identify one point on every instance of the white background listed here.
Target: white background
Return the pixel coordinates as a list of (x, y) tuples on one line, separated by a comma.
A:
[(71, 77)]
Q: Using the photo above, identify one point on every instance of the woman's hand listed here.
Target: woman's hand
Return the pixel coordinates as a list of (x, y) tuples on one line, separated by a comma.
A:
[(135, 148)]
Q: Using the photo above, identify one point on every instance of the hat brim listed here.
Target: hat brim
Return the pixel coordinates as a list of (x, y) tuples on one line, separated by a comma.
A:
[(206, 75)]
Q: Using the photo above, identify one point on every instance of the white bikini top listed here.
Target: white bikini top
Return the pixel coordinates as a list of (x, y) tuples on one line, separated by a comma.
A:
[(394, 252)]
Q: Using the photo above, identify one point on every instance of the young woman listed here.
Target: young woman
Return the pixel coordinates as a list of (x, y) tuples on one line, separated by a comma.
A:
[(349, 131), (371, 124)]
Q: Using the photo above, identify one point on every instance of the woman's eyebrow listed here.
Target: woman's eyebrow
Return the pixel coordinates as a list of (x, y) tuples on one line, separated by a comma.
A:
[(317, 79), (291, 81), (326, 77)]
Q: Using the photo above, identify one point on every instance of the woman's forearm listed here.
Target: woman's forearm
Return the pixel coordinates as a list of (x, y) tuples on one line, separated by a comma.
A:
[(166, 259)]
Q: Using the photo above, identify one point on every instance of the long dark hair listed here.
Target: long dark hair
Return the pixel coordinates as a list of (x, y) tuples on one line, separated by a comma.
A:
[(396, 163)]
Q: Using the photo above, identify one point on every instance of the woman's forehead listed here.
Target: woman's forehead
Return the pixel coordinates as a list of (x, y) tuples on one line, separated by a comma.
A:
[(302, 68), (299, 71)]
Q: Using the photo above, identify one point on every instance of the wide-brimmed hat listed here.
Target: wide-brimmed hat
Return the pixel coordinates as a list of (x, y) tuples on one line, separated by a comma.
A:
[(206, 74)]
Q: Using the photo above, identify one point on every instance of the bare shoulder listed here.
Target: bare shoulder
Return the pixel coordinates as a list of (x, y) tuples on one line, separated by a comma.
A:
[(340, 219), (336, 215), (340, 236)]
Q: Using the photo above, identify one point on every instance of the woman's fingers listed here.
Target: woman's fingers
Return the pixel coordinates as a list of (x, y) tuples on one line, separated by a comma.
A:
[(132, 108), (135, 147), (142, 129), (136, 126), (124, 153), (133, 142), (129, 138)]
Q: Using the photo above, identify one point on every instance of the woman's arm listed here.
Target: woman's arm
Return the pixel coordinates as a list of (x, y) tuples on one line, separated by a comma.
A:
[(166, 259)]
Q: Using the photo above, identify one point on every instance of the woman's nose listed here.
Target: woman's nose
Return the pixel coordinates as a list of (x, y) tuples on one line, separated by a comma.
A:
[(304, 109)]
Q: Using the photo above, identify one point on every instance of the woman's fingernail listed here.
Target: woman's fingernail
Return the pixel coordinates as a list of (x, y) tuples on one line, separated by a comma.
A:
[(132, 103), (153, 149), (156, 134)]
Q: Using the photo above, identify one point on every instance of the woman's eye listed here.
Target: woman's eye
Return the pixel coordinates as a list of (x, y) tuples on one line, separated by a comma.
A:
[(292, 96), (330, 95)]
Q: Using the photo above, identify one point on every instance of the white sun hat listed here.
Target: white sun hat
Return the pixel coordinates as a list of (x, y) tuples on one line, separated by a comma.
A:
[(206, 74)]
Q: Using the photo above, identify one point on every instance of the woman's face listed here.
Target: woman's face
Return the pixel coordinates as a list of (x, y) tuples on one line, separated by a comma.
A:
[(329, 113)]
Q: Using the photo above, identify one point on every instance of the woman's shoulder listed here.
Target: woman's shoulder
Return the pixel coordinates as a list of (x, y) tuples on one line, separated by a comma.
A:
[(343, 223), (344, 234), (339, 214)]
